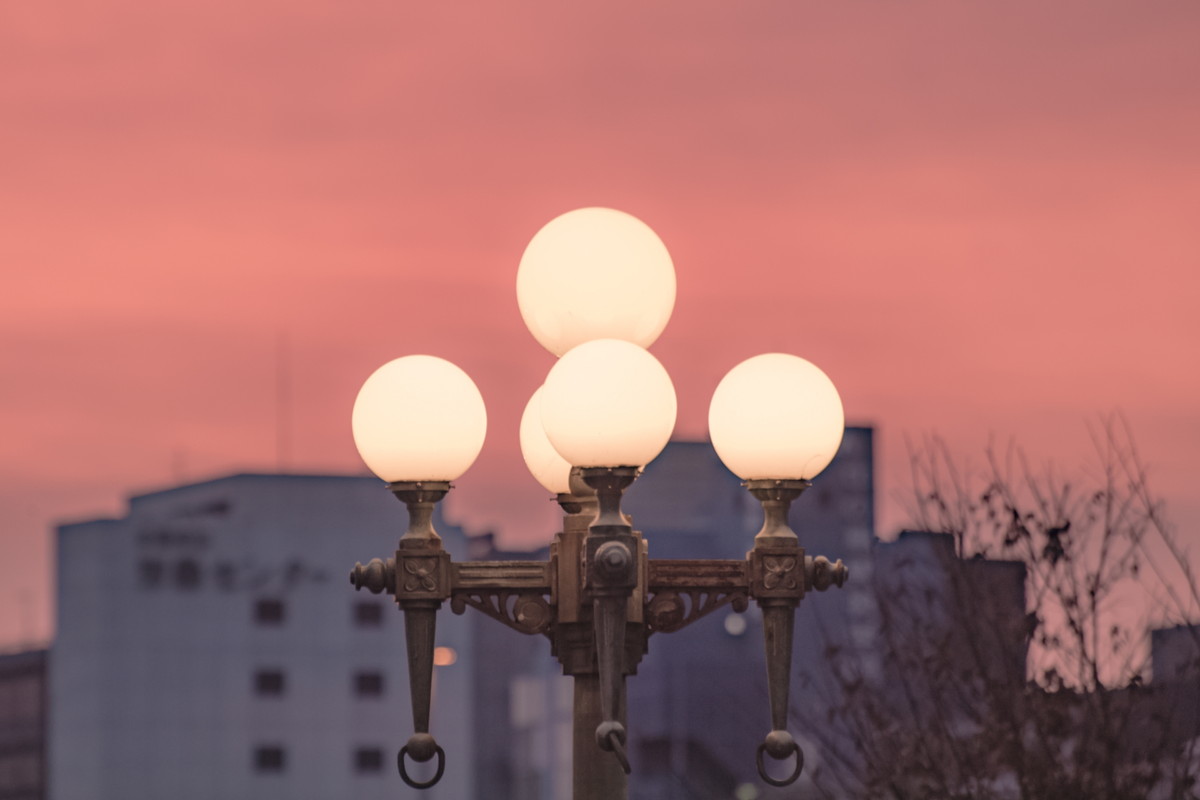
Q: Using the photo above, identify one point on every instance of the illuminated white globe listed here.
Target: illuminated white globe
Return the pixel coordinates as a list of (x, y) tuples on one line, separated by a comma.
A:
[(608, 403), (595, 273), (544, 462), (776, 416), (419, 418)]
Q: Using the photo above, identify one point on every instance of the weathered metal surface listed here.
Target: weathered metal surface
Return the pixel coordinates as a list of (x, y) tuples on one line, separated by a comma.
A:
[(669, 610), (598, 598), (821, 574), (776, 572), (377, 576), (524, 611), (778, 628), (682, 591), (776, 497), (611, 571), (697, 573), (595, 777), (422, 574), (515, 575), (420, 626)]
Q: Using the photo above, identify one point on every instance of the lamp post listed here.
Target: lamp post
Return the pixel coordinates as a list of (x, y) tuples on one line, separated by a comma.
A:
[(596, 287)]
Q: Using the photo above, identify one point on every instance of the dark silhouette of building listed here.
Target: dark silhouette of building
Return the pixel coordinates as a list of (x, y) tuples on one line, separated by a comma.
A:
[(1175, 654), (23, 725), (970, 613)]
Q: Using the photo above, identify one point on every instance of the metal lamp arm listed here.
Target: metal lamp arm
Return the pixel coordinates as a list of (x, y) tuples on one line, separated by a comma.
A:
[(513, 593), (681, 591)]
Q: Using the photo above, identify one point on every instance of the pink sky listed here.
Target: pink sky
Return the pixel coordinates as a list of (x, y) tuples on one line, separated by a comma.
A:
[(979, 219)]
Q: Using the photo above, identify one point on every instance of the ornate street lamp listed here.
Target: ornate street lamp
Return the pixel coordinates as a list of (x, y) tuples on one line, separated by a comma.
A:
[(596, 287)]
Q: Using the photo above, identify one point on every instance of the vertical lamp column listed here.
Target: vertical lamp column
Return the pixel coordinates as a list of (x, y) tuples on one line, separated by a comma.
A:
[(608, 407), (592, 276), (419, 422), (596, 287), (776, 421)]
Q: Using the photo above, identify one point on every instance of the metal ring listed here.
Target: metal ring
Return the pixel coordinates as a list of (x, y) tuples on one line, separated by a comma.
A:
[(762, 772), (441, 767)]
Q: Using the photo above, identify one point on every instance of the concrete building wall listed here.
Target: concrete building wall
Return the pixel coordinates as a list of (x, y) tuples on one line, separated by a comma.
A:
[(523, 731), (209, 645)]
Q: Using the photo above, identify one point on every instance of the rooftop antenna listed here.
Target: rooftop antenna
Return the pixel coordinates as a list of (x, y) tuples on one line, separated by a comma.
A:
[(25, 598), (179, 456), (283, 403)]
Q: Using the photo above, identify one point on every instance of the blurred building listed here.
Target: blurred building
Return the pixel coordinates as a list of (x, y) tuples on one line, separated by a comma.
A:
[(209, 646), (524, 713), (1175, 654), (1171, 709), (23, 725), (970, 613)]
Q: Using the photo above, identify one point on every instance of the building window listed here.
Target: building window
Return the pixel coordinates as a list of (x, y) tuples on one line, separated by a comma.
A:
[(187, 574), (269, 683), (150, 573), (368, 684), (268, 612), (225, 575), (269, 758), (21, 771), (368, 614), (368, 760)]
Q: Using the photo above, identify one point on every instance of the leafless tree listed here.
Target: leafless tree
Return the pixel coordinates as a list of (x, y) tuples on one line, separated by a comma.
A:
[(975, 689)]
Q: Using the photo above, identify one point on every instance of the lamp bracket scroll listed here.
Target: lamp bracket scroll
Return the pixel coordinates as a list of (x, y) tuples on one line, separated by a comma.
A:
[(681, 591), (511, 592)]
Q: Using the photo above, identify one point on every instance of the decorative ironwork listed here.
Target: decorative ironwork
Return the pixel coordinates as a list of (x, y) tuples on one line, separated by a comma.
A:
[(668, 611), (779, 572), (776, 572), (420, 575), (598, 598), (527, 612), (682, 591)]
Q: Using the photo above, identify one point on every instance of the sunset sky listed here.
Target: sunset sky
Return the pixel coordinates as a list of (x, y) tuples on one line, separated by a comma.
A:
[(982, 220)]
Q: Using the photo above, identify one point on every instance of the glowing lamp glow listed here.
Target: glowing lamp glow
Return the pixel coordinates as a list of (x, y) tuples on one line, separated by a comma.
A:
[(595, 273), (419, 418), (544, 462), (608, 403), (776, 416)]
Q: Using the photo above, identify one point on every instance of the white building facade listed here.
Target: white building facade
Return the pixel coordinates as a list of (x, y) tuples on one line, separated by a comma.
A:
[(209, 645)]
